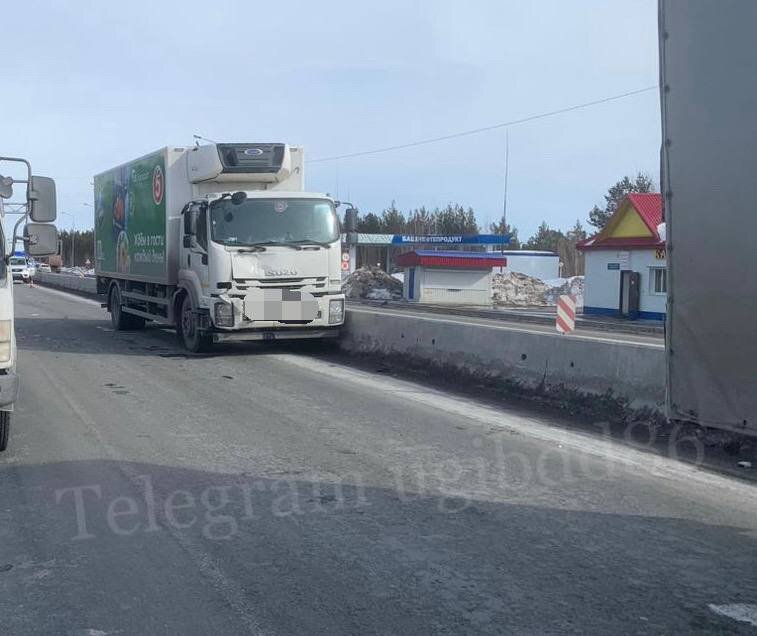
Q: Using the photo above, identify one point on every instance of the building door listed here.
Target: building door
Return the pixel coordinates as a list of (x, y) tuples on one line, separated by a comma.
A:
[(630, 290)]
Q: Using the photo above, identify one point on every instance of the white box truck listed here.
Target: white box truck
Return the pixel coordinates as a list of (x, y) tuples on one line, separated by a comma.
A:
[(220, 241), (708, 61)]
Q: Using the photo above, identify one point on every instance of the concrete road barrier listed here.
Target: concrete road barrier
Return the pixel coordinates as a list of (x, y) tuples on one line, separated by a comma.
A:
[(552, 365), (67, 281)]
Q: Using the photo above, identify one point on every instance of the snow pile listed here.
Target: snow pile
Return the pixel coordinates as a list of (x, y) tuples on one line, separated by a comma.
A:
[(573, 286), (372, 283), (514, 288)]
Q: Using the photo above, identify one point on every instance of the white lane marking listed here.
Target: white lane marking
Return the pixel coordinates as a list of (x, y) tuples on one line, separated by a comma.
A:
[(538, 332), (655, 465), (737, 611), (58, 292)]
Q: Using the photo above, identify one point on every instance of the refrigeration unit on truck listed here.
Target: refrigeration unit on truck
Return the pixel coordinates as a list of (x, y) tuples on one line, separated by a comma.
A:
[(709, 162), (220, 241)]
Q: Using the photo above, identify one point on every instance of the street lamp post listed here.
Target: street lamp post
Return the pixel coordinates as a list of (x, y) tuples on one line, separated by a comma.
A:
[(89, 205)]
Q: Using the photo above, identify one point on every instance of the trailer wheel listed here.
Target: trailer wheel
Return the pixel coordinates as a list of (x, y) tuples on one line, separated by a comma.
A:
[(194, 340), (5, 426), (120, 319)]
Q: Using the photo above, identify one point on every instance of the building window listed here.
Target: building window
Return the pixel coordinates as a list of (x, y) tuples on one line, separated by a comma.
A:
[(658, 280)]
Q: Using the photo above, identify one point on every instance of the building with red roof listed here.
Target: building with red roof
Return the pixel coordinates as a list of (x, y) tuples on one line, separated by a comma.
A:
[(626, 269), (449, 278)]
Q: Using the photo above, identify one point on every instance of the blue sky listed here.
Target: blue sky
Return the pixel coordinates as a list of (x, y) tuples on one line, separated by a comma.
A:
[(88, 85)]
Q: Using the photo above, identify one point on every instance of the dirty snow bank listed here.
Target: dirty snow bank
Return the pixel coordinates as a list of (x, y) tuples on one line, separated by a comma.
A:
[(516, 289), (372, 283), (573, 286)]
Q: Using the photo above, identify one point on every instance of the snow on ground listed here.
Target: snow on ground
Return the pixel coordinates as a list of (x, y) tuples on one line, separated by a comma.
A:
[(516, 289), (372, 283), (509, 289), (573, 286)]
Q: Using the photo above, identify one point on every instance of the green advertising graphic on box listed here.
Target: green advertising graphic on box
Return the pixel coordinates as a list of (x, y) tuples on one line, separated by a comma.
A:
[(130, 218)]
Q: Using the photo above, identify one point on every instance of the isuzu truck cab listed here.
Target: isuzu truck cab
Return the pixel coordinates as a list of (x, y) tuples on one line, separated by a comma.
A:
[(220, 241)]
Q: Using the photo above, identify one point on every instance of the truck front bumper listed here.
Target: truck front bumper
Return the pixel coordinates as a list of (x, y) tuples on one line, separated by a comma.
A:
[(8, 389), (244, 335)]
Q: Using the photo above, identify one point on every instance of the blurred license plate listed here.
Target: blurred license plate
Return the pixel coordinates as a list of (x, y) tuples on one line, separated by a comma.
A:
[(281, 305)]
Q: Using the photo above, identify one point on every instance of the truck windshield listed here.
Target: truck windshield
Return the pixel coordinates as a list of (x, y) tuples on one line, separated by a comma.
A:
[(272, 221), (18, 260)]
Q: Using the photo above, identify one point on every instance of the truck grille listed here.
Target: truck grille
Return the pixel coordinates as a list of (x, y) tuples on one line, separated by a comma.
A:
[(282, 283)]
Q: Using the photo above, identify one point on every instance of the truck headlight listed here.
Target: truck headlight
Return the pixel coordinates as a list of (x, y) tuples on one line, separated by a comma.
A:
[(336, 311), (223, 314)]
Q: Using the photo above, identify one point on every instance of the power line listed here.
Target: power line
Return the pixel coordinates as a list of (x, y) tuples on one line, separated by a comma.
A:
[(475, 131)]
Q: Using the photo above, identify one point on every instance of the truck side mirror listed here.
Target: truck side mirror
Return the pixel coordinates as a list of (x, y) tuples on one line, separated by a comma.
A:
[(190, 221), (42, 200), (6, 187), (350, 220), (40, 239)]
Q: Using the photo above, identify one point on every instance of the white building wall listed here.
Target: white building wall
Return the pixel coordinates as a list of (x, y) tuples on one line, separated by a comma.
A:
[(539, 264), (602, 285), (448, 286), (643, 261)]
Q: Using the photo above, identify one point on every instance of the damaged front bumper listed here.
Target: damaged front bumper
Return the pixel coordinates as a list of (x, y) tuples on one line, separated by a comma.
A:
[(245, 335), (276, 315)]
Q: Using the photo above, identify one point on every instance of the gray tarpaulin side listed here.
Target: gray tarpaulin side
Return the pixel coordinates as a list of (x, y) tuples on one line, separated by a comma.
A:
[(709, 176)]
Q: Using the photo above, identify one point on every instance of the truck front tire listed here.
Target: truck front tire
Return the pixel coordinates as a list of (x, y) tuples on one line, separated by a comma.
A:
[(120, 319), (188, 325)]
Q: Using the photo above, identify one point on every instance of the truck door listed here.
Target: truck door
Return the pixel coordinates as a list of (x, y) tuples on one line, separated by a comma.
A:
[(195, 245)]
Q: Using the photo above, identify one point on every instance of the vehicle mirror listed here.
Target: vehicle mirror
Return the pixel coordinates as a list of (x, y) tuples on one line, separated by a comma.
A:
[(42, 200), (190, 221), (350, 220), (6, 187), (238, 198), (40, 239)]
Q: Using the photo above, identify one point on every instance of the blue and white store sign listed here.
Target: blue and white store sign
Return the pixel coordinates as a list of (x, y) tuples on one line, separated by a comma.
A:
[(451, 239)]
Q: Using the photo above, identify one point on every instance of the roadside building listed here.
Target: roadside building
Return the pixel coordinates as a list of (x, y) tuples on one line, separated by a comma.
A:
[(449, 278), (382, 249), (626, 271)]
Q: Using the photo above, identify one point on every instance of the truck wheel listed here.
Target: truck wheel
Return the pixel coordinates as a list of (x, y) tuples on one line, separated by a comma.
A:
[(120, 319), (194, 340), (5, 426)]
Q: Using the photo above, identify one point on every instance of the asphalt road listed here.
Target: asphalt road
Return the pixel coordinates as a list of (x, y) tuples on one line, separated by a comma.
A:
[(262, 490)]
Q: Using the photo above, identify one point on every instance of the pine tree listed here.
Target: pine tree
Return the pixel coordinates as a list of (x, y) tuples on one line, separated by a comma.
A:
[(504, 228), (598, 217)]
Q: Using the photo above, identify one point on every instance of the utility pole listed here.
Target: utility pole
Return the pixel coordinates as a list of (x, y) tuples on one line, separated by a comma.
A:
[(504, 198)]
